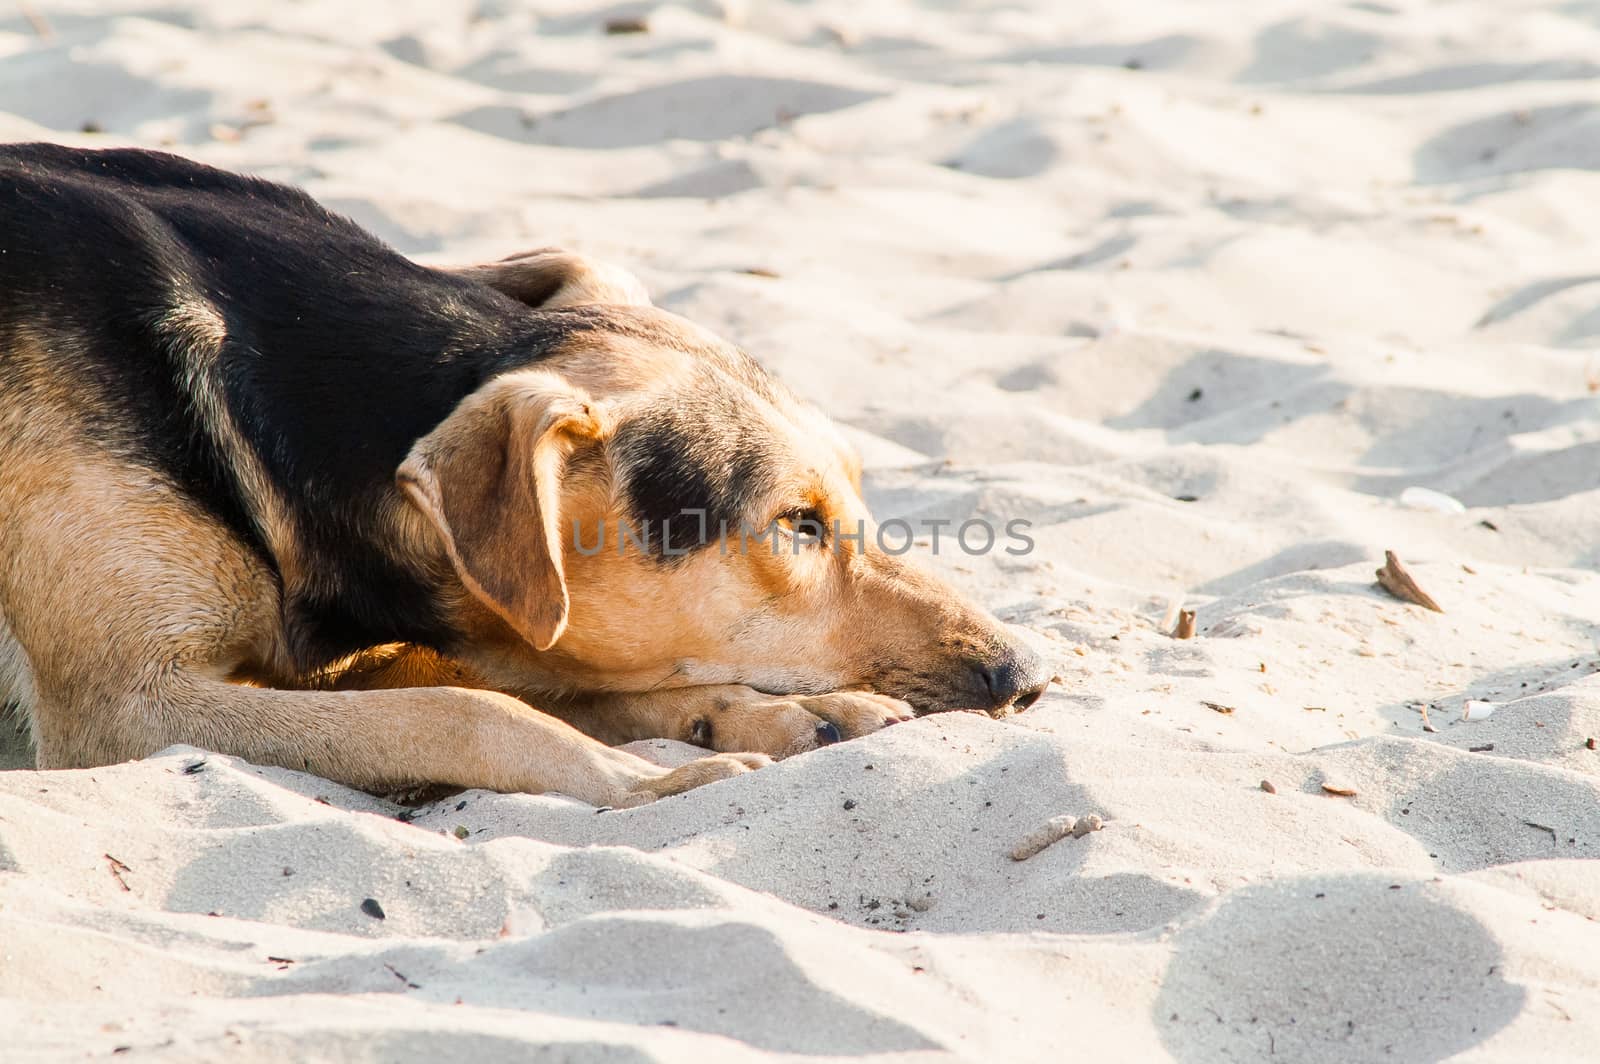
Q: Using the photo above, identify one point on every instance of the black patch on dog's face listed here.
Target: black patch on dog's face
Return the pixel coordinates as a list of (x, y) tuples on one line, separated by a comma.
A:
[(710, 451)]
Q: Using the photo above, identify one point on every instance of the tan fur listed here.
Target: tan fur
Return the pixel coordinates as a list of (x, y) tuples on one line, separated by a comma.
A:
[(489, 481), (198, 329)]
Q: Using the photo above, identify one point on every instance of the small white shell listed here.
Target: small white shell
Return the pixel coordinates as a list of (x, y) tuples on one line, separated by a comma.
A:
[(1428, 499), (1477, 709)]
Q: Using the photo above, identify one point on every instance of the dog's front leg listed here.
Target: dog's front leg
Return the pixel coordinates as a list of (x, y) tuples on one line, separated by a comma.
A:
[(732, 718), (383, 740)]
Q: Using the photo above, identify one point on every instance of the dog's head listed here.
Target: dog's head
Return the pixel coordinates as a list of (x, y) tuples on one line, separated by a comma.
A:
[(648, 508)]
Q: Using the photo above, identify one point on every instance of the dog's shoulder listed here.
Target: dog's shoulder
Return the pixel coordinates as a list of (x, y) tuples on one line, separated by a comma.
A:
[(269, 358)]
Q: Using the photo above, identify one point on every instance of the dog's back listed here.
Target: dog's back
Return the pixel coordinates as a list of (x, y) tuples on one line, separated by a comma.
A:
[(297, 312), (266, 357)]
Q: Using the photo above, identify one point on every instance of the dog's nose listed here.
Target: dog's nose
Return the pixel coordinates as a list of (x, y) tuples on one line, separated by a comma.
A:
[(1015, 680)]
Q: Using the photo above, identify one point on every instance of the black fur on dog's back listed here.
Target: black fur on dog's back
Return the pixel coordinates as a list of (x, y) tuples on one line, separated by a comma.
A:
[(336, 354)]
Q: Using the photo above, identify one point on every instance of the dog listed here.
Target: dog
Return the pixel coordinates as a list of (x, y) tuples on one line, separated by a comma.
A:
[(270, 488)]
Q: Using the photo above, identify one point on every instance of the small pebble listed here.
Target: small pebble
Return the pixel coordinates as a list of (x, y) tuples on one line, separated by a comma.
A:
[(1267, 786), (461, 831), (849, 803), (371, 907)]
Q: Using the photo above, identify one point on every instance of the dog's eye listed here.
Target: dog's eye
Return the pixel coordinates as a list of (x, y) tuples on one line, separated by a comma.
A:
[(802, 524)]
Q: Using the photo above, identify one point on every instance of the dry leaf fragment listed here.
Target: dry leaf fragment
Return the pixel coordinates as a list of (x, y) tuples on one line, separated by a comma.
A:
[(41, 25), (1339, 789), (1396, 581), (1218, 707), (1185, 629), (117, 868)]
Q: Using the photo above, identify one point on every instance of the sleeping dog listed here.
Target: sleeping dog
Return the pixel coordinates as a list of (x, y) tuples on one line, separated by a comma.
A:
[(270, 488)]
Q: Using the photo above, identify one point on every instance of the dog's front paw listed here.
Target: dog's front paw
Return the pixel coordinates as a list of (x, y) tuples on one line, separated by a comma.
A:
[(784, 726), (694, 774), (857, 713)]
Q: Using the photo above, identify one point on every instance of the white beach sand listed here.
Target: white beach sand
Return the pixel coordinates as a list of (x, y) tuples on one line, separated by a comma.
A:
[(1065, 262)]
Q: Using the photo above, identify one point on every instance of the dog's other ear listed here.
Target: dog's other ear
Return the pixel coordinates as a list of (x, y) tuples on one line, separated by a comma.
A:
[(489, 481), (550, 278)]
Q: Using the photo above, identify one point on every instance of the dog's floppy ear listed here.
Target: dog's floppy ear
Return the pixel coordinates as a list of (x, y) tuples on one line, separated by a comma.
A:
[(489, 480), (551, 277)]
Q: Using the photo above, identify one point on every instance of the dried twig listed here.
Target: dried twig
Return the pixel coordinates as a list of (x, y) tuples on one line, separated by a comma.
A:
[(402, 977), (1543, 827), (1397, 582), (1185, 629), (1427, 725), (117, 868), (1052, 831)]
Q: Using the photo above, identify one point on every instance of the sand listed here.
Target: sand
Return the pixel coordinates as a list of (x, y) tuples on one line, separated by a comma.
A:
[(1199, 290)]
